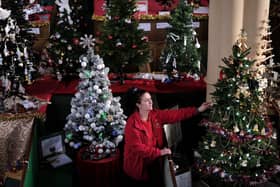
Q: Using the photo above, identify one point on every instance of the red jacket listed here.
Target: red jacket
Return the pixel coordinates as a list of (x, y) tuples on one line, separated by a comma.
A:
[(143, 140)]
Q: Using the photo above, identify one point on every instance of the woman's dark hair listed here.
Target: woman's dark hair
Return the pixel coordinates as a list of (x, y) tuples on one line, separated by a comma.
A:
[(133, 96), (137, 94)]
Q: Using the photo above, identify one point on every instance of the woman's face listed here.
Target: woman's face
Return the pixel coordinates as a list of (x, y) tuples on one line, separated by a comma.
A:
[(146, 102)]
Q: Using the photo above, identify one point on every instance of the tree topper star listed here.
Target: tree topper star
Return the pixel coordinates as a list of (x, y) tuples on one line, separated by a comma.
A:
[(87, 41)]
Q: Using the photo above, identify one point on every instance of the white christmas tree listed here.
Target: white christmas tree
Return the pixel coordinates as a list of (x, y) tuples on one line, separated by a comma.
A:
[(96, 119), (270, 69)]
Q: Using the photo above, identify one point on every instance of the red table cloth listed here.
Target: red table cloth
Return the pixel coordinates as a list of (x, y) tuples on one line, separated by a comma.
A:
[(45, 87), (99, 173)]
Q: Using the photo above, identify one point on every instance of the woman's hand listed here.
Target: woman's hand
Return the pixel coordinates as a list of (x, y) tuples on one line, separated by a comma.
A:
[(204, 106), (165, 151)]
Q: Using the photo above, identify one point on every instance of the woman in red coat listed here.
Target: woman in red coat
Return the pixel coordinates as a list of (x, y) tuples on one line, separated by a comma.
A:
[(145, 143)]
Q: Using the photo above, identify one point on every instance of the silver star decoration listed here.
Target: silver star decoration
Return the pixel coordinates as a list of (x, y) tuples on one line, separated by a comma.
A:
[(87, 41)]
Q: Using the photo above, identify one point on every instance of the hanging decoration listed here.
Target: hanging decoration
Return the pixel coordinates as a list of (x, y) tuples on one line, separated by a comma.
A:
[(64, 8)]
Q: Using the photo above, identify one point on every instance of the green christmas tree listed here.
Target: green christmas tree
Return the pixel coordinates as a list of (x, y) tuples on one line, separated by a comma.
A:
[(181, 53), (96, 119), (240, 144), (64, 44), (16, 58), (122, 43)]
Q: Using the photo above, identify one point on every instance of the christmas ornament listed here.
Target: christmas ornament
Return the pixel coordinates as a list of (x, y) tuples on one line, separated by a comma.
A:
[(64, 7), (87, 41), (76, 41), (197, 45)]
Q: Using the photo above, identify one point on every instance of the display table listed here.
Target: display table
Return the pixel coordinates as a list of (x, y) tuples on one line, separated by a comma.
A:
[(59, 94), (45, 87), (99, 173)]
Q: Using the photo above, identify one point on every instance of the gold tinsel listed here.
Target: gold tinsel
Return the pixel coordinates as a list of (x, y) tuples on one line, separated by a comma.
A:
[(11, 116), (39, 23), (151, 17)]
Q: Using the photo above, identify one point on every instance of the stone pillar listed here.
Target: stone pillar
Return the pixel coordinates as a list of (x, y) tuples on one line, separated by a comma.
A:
[(255, 12), (225, 24)]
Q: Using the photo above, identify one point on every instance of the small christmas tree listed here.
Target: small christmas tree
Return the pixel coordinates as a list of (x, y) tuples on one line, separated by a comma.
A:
[(96, 118), (122, 42), (64, 44), (240, 144), (181, 53), (16, 57)]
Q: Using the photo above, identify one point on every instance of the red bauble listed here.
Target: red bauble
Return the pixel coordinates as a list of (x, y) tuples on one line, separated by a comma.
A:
[(222, 75), (50, 61), (110, 37), (134, 46), (76, 41)]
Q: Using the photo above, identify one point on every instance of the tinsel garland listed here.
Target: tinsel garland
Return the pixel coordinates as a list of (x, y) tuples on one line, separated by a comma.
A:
[(234, 179), (220, 172), (40, 23), (30, 114), (152, 17), (241, 138)]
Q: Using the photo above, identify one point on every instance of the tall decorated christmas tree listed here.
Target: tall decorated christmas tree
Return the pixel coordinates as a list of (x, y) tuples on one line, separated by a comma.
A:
[(272, 69), (240, 143), (122, 43), (16, 57), (96, 119), (181, 53), (64, 44)]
